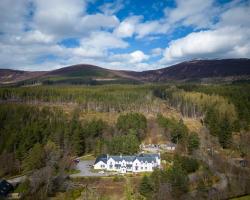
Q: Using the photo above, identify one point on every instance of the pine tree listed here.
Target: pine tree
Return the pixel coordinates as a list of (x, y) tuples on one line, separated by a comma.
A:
[(225, 134), (35, 158), (146, 188), (193, 142)]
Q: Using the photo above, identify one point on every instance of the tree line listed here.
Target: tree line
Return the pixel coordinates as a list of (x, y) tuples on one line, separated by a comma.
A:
[(217, 112), (24, 128), (169, 183), (110, 98), (179, 133), (237, 94)]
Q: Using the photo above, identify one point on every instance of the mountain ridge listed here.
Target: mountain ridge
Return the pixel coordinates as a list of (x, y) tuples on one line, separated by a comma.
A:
[(85, 73)]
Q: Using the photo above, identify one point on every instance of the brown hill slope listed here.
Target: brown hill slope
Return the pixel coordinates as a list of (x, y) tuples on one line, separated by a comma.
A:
[(83, 73), (12, 76), (199, 69)]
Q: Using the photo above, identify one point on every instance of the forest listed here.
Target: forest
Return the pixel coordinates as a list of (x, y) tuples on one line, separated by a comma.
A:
[(23, 127), (222, 108), (42, 128), (113, 98)]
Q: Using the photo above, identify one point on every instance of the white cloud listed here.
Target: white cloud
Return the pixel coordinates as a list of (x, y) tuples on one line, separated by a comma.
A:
[(187, 13), (90, 23), (134, 25), (88, 52), (221, 43), (66, 18), (33, 37), (147, 28), (157, 51), (103, 40), (98, 44), (12, 15), (229, 38), (133, 57), (192, 12), (34, 28), (112, 8), (127, 27), (236, 16), (138, 56), (58, 16)]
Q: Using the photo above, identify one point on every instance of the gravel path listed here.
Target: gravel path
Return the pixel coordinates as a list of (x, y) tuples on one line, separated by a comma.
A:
[(85, 167)]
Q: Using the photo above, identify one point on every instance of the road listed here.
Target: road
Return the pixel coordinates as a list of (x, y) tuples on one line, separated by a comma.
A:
[(17, 180), (85, 167)]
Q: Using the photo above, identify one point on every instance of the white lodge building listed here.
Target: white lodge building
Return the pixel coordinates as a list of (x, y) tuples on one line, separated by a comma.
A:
[(123, 164)]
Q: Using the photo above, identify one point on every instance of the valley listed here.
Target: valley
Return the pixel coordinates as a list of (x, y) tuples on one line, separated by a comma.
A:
[(59, 123), (124, 100)]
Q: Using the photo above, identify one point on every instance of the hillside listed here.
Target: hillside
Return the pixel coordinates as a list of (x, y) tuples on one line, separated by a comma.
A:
[(199, 69), (10, 76), (82, 74), (75, 74), (196, 70)]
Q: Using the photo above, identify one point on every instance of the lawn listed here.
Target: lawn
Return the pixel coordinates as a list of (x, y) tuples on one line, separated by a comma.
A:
[(242, 198)]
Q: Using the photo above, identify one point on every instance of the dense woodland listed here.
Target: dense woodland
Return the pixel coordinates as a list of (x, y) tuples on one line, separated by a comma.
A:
[(237, 94), (171, 182), (39, 137), (24, 126), (116, 98), (224, 109)]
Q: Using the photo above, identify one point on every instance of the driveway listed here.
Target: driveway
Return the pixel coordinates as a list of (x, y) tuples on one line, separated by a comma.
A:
[(17, 179), (85, 166)]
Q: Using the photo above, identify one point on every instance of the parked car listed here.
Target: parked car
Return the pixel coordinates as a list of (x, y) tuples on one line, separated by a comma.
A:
[(76, 161)]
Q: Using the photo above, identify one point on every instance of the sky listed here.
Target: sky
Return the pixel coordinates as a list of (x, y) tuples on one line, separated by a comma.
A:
[(121, 34)]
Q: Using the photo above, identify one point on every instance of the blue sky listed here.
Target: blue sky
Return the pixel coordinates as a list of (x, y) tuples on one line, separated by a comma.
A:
[(123, 34)]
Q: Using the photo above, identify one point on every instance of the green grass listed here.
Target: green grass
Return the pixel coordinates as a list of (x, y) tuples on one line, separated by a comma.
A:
[(242, 198), (88, 157), (73, 171)]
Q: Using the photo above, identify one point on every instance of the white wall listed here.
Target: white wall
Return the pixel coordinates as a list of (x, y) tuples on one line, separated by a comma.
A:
[(137, 166), (100, 165), (111, 161)]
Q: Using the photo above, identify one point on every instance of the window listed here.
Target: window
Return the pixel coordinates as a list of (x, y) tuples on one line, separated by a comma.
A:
[(111, 166)]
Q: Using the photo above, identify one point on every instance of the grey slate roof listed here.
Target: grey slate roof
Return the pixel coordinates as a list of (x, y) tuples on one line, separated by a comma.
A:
[(148, 159), (141, 157), (102, 158), (121, 158)]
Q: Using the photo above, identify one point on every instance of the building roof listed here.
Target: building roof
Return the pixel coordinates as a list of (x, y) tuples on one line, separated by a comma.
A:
[(102, 158), (148, 159), (141, 157), (155, 155), (5, 188), (121, 158)]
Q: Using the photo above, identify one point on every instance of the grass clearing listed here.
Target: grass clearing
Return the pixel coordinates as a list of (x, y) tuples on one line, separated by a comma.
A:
[(247, 197)]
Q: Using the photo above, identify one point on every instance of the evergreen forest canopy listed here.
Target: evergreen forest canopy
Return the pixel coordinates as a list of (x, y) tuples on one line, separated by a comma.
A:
[(24, 127), (36, 120)]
